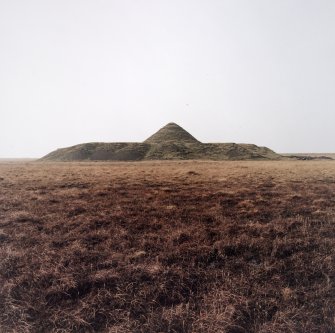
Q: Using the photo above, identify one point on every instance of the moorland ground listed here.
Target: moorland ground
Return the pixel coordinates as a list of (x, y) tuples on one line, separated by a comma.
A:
[(167, 247)]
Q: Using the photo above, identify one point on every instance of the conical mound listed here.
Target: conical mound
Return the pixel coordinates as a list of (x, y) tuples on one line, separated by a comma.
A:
[(171, 142), (171, 132)]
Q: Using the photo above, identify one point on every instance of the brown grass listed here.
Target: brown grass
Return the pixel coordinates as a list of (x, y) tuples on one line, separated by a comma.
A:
[(167, 247)]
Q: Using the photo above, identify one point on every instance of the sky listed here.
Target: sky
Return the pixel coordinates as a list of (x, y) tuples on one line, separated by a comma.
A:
[(245, 71)]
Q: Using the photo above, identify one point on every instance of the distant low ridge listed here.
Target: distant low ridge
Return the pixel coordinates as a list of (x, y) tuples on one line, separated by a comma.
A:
[(171, 142)]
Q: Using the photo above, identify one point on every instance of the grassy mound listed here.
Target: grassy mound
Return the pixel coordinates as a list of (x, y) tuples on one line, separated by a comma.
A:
[(171, 132), (170, 143)]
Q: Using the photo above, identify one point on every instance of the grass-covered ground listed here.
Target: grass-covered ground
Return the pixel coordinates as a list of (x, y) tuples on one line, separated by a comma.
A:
[(167, 247)]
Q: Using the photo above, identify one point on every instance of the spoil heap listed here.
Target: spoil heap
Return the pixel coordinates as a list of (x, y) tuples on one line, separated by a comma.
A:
[(171, 142)]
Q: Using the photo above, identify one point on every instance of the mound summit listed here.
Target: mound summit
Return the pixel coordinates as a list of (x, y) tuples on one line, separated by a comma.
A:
[(171, 142)]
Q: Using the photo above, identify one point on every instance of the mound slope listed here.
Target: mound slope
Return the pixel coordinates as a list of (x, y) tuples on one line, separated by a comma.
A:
[(171, 133), (171, 142)]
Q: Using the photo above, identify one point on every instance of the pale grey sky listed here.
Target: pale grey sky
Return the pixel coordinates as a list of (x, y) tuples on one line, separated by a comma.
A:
[(253, 71)]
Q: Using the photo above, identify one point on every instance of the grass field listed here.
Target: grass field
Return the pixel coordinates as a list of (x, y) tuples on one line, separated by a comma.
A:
[(152, 247)]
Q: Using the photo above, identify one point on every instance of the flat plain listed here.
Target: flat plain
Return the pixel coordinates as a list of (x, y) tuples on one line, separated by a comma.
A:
[(182, 246)]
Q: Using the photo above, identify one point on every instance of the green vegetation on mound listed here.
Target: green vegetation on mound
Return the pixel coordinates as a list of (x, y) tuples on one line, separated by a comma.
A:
[(170, 143), (171, 132)]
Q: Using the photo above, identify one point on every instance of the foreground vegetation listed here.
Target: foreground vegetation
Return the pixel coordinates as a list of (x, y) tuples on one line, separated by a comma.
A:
[(167, 247)]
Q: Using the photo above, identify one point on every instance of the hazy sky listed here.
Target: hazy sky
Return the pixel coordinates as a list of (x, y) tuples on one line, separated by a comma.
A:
[(253, 71)]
